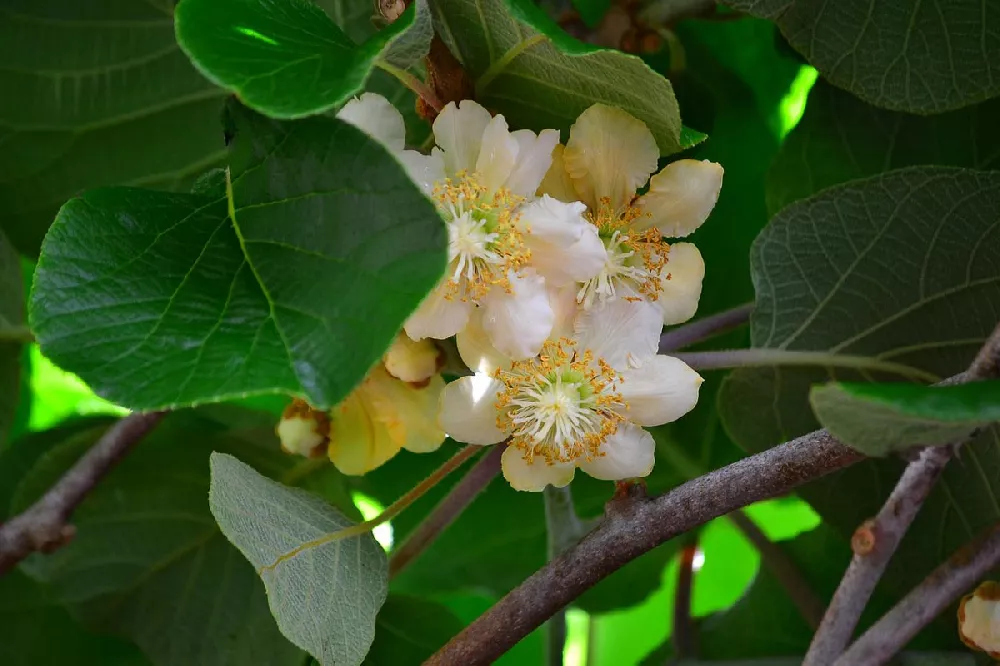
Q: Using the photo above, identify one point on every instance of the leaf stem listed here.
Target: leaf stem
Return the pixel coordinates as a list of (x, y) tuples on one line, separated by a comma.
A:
[(494, 70), (422, 90), (743, 358), (703, 329), (564, 529), (17, 334), (682, 635)]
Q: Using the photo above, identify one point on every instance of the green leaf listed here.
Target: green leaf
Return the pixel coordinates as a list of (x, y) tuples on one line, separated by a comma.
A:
[(528, 69), (841, 138), (12, 330), (918, 57), (408, 630), (148, 561), (97, 93), (324, 595), (297, 281), (288, 59), (879, 419)]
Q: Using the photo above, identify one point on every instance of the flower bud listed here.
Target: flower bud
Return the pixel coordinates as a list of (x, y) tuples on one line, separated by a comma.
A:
[(303, 430), (979, 619), (413, 361)]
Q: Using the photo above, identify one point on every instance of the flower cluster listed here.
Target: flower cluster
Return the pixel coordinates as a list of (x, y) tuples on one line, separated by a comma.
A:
[(559, 282)]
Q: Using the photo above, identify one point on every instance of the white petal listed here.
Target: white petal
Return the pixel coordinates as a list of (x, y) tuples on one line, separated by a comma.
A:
[(424, 170), (565, 247), (623, 333), (565, 308), (468, 411), (534, 156), (412, 361), (519, 322), (659, 391), (609, 154), (678, 296), (458, 130), (475, 348), (629, 453), (378, 118), (557, 183), (497, 155), (535, 476), (438, 317), (681, 197)]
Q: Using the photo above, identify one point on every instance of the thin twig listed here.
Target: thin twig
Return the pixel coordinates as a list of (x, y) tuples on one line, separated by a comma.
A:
[(447, 510), (422, 90), (682, 636), (945, 584), (635, 526), (44, 525), (782, 568), (17, 334), (758, 357), (876, 541), (564, 530), (703, 329)]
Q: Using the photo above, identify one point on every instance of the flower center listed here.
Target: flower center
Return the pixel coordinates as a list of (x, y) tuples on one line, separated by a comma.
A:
[(561, 405), (635, 258), (484, 243)]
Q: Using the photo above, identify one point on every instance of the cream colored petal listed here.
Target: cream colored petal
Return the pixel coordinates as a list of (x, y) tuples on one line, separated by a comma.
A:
[(610, 155), (681, 197), (565, 309), (533, 476), (565, 247), (680, 283), (438, 317), (557, 183), (468, 411), (475, 348), (415, 408), (360, 440), (411, 360), (378, 118), (628, 454), (498, 155), (519, 322), (623, 333), (458, 131), (661, 390), (424, 170), (534, 156)]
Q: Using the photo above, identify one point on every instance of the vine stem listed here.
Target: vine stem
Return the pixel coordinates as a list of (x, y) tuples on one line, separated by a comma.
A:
[(43, 526), (564, 529), (743, 358), (447, 510), (682, 636), (703, 329), (413, 83), (17, 334)]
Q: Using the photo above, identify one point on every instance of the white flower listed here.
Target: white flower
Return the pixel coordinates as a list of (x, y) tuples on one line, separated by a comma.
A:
[(502, 245), (979, 619), (580, 403), (608, 157)]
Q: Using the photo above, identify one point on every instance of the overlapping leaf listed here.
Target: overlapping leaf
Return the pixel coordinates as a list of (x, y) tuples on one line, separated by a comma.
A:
[(295, 280), (919, 57)]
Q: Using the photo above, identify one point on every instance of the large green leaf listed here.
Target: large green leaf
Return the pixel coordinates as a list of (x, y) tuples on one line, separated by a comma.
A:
[(295, 280), (878, 419), (324, 594), (95, 93), (841, 138), (900, 267), (408, 630), (288, 59), (527, 68), (908, 55), (148, 561)]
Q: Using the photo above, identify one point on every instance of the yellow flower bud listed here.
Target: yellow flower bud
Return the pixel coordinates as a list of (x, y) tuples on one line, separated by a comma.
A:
[(413, 361), (979, 619), (303, 430)]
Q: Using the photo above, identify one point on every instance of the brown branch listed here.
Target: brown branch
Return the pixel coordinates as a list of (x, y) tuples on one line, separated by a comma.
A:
[(783, 569), (877, 540), (682, 635), (44, 525), (945, 584), (635, 526), (703, 329), (447, 510)]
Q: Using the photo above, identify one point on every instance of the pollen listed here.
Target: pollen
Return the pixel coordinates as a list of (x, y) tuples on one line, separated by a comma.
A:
[(486, 243), (561, 405)]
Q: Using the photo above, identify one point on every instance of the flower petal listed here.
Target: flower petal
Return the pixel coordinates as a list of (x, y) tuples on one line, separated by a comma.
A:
[(498, 155), (438, 317), (628, 453), (458, 130), (681, 197), (534, 156), (378, 118), (609, 154), (411, 360), (679, 295), (359, 440), (564, 307), (468, 412), (475, 348), (623, 333), (659, 391), (414, 411), (534, 476), (565, 247), (519, 322), (424, 170), (557, 183)]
